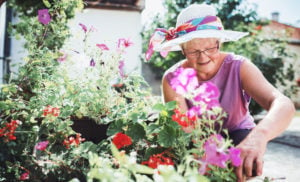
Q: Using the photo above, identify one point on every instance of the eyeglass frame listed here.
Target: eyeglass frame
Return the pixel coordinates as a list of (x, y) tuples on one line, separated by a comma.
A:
[(198, 52)]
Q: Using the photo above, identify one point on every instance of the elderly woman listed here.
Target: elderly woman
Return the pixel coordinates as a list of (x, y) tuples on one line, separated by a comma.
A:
[(198, 35)]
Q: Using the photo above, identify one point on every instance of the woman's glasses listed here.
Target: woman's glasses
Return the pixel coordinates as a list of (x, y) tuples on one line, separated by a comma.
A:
[(208, 52)]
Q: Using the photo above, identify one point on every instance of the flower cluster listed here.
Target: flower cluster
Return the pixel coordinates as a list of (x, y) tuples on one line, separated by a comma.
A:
[(121, 140), (52, 111), (217, 154), (186, 121), (73, 141), (158, 159), (8, 130), (42, 145)]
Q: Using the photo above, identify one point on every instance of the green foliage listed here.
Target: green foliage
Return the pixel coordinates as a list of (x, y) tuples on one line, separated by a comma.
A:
[(236, 15)]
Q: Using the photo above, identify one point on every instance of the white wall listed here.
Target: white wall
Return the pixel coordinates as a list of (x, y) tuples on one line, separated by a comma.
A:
[(2, 29), (112, 25)]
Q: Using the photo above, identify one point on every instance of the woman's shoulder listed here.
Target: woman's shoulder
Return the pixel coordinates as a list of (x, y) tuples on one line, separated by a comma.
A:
[(232, 57)]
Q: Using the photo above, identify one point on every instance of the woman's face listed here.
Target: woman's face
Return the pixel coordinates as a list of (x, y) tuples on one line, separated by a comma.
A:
[(203, 54)]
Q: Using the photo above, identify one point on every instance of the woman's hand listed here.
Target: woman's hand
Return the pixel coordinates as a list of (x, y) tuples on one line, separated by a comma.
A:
[(252, 149)]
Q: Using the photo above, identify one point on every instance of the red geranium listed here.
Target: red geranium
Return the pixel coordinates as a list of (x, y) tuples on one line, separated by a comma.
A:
[(121, 140), (158, 159)]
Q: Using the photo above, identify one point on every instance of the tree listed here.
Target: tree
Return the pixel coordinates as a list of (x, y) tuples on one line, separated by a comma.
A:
[(236, 15)]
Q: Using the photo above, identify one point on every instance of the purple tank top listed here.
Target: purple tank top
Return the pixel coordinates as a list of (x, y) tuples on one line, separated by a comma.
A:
[(233, 99)]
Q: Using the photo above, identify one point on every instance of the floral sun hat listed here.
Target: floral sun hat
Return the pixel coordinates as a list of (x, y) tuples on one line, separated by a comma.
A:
[(195, 21)]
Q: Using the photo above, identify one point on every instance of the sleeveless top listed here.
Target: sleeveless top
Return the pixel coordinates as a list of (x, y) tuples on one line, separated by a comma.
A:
[(233, 99)]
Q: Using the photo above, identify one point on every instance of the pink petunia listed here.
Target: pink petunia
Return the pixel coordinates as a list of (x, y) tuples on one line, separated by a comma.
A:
[(184, 81), (124, 43), (235, 156), (102, 46), (84, 28), (214, 153), (42, 145), (121, 68), (44, 16), (207, 93)]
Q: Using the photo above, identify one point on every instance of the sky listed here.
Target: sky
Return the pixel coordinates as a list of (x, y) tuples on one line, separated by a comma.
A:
[(289, 10)]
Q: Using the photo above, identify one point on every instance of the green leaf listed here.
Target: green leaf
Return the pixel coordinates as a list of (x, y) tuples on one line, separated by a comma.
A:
[(159, 107), (46, 3), (167, 136), (171, 105), (115, 127), (136, 131)]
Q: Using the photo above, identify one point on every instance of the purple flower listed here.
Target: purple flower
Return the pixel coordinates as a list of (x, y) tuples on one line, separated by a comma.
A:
[(92, 63), (84, 28), (44, 16), (121, 68), (184, 81), (42, 145), (235, 156), (214, 153)]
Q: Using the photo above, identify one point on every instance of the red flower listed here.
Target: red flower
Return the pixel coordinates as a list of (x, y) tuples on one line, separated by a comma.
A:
[(121, 140), (24, 176), (158, 159), (73, 141), (9, 130), (183, 120), (49, 110)]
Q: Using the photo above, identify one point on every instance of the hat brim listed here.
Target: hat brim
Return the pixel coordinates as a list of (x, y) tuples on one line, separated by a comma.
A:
[(223, 35)]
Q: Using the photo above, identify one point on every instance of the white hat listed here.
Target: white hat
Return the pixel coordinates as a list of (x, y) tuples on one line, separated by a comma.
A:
[(195, 21)]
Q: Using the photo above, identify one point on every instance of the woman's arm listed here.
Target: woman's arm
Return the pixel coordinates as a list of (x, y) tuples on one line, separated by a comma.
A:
[(170, 95), (280, 112)]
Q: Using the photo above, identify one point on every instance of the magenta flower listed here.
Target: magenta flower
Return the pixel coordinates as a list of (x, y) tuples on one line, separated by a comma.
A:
[(235, 156), (42, 145), (209, 94), (214, 153), (103, 47), (84, 28), (124, 43), (44, 16), (185, 80), (121, 68)]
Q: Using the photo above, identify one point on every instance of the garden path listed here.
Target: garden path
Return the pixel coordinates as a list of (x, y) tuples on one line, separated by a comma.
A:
[(282, 158)]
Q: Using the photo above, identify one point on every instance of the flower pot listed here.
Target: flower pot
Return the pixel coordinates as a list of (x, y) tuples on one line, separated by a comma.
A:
[(89, 129)]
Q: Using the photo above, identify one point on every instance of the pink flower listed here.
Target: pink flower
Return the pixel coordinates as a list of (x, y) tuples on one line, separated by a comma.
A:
[(208, 93), (184, 81), (42, 145), (235, 156), (124, 43), (63, 56), (214, 153), (44, 16), (24, 176), (102, 46), (121, 68), (84, 28)]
